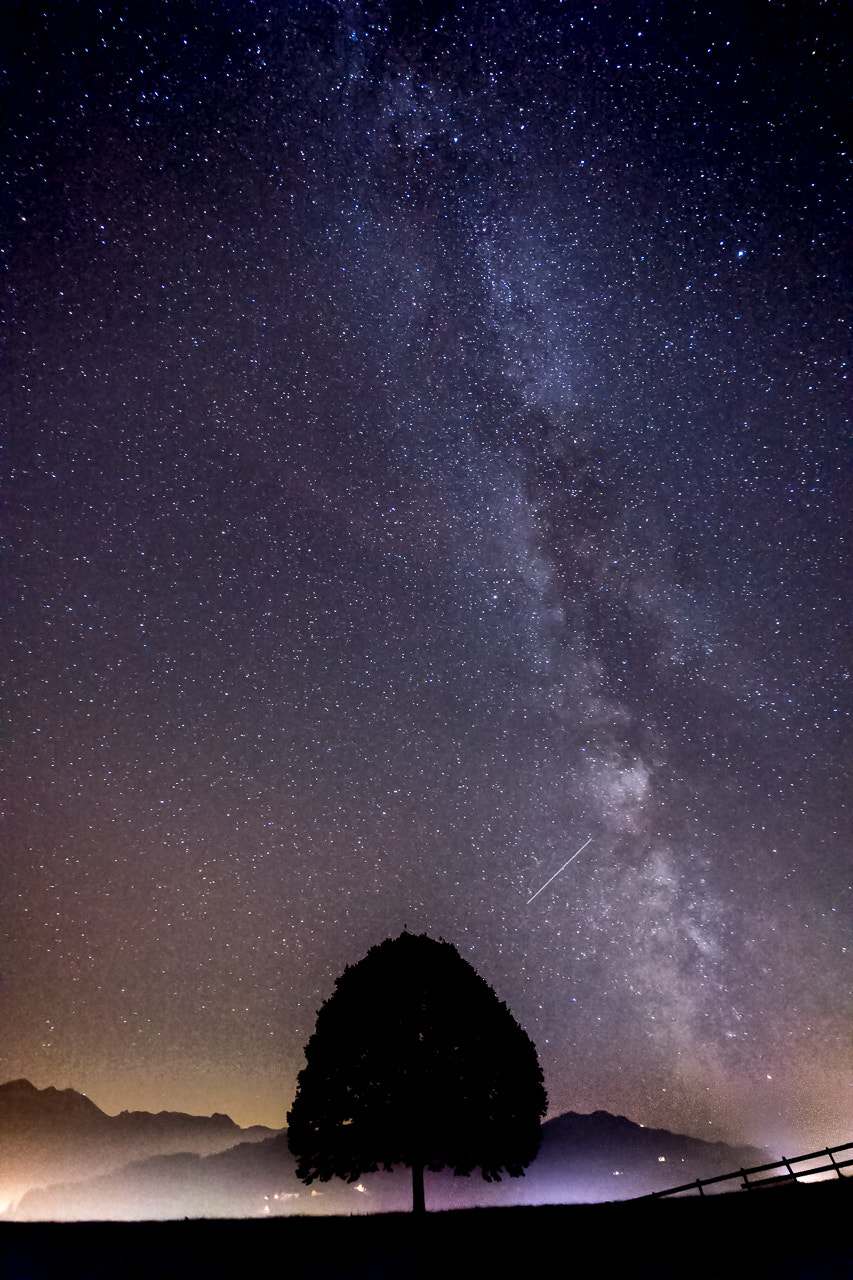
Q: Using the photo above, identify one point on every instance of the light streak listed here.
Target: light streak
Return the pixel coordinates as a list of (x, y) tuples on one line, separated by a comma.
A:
[(562, 868)]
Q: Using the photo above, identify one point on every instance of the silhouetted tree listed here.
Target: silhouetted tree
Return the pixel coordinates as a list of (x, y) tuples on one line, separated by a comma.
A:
[(414, 1060)]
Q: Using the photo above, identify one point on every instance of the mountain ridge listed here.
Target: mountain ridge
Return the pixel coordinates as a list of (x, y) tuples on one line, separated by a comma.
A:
[(55, 1135), (110, 1171), (21, 1093)]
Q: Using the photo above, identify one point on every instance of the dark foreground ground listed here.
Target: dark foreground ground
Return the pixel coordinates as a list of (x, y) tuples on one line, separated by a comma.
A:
[(804, 1232)]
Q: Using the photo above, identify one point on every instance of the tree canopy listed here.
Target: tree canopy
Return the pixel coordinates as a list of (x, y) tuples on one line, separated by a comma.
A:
[(415, 1061)]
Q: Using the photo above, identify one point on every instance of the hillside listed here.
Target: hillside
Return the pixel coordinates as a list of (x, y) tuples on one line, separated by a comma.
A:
[(795, 1233)]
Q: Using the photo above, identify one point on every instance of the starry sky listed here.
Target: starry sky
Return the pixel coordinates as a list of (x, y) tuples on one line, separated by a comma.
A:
[(426, 431)]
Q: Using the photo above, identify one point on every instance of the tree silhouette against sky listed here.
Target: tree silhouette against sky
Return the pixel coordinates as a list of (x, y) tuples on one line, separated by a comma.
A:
[(415, 1061)]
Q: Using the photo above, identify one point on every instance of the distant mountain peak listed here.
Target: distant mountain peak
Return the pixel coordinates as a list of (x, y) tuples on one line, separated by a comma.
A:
[(15, 1094), (24, 1096)]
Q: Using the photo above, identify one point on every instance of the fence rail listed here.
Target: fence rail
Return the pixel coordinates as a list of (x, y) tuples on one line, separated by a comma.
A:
[(790, 1175)]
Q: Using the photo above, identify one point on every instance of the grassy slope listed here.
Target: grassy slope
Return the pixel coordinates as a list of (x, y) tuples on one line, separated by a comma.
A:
[(796, 1232)]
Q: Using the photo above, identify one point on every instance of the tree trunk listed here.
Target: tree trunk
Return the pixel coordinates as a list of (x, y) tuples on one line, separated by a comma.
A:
[(418, 1202)]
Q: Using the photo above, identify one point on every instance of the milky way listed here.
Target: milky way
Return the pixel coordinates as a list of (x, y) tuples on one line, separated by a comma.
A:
[(426, 443)]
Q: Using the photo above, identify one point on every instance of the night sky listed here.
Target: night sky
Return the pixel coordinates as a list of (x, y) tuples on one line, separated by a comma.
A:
[(427, 454)]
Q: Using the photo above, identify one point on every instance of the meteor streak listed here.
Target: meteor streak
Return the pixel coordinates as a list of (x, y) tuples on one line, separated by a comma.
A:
[(562, 868)]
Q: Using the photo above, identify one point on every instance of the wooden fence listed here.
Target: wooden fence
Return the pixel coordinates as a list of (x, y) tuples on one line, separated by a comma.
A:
[(790, 1175)]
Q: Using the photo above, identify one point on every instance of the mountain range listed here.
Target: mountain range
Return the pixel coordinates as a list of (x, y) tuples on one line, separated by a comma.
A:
[(63, 1159), (56, 1135)]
